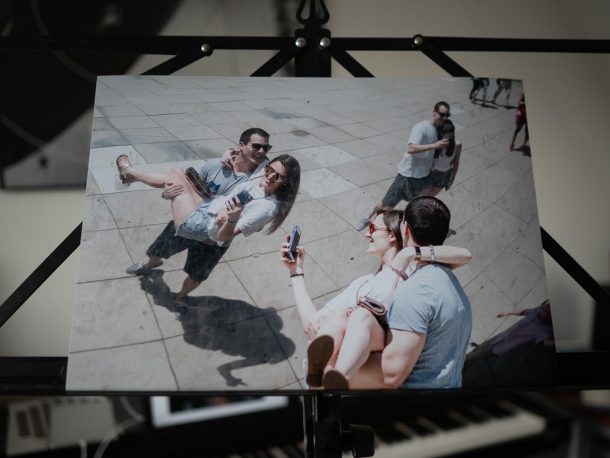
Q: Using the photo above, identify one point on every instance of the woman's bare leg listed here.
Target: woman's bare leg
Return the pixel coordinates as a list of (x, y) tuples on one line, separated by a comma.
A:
[(362, 336), (184, 204), (334, 326)]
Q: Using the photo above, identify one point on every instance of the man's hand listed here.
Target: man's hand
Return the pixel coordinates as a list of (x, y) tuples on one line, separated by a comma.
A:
[(172, 190), (441, 144), (228, 158)]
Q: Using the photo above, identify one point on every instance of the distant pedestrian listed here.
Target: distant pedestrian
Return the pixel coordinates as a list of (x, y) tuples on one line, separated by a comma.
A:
[(520, 121), (477, 85)]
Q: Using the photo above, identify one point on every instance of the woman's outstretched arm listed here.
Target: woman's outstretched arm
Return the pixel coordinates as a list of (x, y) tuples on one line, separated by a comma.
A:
[(305, 306)]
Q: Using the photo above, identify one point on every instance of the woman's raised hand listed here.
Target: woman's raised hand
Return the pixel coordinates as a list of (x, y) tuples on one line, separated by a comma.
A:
[(296, 265), (234, 209)]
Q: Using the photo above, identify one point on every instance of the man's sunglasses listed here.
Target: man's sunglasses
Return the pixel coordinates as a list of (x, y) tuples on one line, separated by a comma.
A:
[(258, 146), (272, 175), (444, 115)]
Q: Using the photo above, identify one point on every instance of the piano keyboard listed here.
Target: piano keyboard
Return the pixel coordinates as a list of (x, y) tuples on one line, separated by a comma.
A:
[(434, 432), (460, 429)]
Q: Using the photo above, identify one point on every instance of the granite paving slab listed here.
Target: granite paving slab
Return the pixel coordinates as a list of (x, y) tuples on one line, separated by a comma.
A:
[(331, 134), (360, 130), (255, 244), (514, 274), (165, 152), (268, 283), (195, 132), (132, 122), (97, 216), (138, 367), (352, 205), (293, 329), (315, 220), (106, 157), (295, 140), (140, 208), (97, 261), (327, 155), (529, 244), (91, 188), (463, 204), (361, 148), (343, 256), (147, 135), (209, 149), (121, 110), (111, 313), (101, 124), (177, 119), (112, 137), (368, 170), (520, 200), (324, 182)]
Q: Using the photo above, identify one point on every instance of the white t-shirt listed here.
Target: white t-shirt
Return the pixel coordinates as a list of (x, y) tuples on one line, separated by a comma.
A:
[(255, 214), (419, 165), (443, 163)]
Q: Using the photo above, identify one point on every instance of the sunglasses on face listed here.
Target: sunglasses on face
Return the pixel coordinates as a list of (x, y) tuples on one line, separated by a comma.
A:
[(272, 175), (373, 228), (258, 146), (444, 115)]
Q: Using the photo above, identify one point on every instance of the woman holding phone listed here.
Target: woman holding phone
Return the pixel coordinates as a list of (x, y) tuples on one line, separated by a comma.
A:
[(266, 197), (340, 339)]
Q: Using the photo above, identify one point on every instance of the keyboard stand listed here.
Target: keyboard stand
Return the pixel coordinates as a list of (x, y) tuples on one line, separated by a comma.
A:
[(324, 433)]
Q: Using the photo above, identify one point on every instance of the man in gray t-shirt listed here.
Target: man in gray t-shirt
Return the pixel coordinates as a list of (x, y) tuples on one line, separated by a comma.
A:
[(429, 316), (414, 168)]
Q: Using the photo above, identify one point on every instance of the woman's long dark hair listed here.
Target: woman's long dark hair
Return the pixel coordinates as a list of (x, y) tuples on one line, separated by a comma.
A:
[(447, 124), (287, 193)]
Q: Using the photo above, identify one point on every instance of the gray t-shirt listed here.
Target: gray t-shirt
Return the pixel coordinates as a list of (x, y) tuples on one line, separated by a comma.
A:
[(432, 302), (418, 165), (221, 180)]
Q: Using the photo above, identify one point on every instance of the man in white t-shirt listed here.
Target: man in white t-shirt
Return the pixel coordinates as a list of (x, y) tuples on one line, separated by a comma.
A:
[(415, 167)]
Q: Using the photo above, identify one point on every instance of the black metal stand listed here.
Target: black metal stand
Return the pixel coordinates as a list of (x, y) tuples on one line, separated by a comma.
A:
[(312, 49)]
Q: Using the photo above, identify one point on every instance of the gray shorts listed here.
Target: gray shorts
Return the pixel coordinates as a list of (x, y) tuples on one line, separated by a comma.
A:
[(195, 226), (405, 188)]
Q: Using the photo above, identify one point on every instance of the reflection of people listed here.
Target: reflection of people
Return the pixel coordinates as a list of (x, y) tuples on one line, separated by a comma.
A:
[(522, 355), (520, 121), (535, 327), (477, 85), (446, 160), (202, 257), (343, 334), (503, 84), (414, 168), (430, 317)]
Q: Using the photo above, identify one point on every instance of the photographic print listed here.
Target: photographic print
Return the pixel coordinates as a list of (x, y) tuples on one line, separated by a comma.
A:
[(288, 234)]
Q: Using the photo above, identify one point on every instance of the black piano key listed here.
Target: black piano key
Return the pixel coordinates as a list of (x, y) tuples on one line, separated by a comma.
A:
[(472, 415), (292, 451), (443, 421), (23, 427), (495, 409), (389, 434), (417, 427), (36, 416)]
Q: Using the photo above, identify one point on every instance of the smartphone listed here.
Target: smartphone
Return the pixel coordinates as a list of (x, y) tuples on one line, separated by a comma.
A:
[(244, 197), (293, 242)]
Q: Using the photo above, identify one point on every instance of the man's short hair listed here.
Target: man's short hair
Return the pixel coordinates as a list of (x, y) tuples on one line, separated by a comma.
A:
[(247, 134), (442, 103), (428, 220)]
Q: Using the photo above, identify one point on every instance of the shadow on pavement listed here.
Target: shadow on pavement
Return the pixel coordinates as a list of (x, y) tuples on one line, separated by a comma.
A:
[(226, 325)]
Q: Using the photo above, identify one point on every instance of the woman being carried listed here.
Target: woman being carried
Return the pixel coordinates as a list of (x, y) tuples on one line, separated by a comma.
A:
[(266, 197), (343, 333)]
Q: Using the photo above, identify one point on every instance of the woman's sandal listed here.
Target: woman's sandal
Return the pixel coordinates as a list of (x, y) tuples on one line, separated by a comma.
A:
[(319, 352), (123, 163), (200, 186)]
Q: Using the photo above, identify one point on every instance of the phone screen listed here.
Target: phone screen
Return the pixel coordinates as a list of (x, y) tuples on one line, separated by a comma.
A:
[(244, 197)]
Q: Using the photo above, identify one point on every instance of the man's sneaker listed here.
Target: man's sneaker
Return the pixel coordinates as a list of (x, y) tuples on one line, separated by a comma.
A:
[(136, 269), (180, 309), (362, 223)]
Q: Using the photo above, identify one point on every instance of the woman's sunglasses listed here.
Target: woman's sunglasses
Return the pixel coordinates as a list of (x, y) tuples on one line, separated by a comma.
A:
[(373, 228), (272, 175)]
